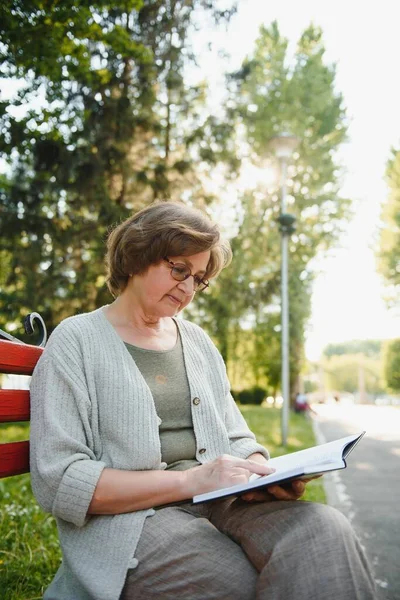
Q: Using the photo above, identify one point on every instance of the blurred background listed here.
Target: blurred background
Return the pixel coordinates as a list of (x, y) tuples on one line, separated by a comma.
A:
[(105, 109)]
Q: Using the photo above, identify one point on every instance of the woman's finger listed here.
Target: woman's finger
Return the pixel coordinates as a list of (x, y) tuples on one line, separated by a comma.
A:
[(258, 468), (299, 487), (293, 493), (262, 496)]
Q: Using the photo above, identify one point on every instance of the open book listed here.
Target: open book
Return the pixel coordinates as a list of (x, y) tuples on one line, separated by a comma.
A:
[(304, 464)]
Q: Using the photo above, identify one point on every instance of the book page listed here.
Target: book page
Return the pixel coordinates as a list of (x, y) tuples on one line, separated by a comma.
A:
[(325, 454)]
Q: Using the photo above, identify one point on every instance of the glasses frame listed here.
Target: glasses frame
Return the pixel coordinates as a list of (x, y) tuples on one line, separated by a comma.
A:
[(199, 284)]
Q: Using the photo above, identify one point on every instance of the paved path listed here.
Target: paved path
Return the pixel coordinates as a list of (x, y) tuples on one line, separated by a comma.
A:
[(368, 492)]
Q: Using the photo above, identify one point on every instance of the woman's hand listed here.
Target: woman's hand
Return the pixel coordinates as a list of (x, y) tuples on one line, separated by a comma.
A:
[(222, 472), (292, 491)]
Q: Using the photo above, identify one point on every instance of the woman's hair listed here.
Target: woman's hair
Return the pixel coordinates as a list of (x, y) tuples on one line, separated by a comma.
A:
[(159, 230)]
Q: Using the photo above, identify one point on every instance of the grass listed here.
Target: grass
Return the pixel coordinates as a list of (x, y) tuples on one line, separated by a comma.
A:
[(29, 549), (266, 424)]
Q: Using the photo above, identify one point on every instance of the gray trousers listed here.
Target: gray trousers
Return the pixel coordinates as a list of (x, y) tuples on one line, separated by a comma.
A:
[(234, 550)]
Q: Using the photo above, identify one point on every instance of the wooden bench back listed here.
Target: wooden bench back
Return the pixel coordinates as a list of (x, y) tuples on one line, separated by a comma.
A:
[(18, 359)]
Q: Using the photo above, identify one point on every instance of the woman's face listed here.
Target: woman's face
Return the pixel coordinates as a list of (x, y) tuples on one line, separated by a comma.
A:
[(159, 293)]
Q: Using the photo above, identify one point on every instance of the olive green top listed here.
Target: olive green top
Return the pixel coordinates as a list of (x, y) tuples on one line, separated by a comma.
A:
[(165, 373)]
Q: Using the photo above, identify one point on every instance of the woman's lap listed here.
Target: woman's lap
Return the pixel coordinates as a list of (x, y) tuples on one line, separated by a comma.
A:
[(300, 549), (182, 555), (232, 549)]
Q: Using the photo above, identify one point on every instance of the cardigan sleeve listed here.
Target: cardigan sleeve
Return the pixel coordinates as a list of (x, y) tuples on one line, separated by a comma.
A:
[(64, 469)]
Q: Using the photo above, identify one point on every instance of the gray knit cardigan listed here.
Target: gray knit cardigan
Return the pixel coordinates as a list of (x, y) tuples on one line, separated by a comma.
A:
[(91, 409)]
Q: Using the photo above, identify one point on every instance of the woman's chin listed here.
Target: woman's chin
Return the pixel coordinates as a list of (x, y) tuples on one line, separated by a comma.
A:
[(173, 304), (171, 311)]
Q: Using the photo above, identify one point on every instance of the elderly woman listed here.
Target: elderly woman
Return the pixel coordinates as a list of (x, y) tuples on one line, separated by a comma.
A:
[(132, 416)]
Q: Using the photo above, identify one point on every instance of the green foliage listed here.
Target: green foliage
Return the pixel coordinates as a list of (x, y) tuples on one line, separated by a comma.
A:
[(370, 348), (349, 372), (389, 253), (254, 395), (112, 125), (309, 386), (109, 124), (355, 366), (392, 364), (270, 94)]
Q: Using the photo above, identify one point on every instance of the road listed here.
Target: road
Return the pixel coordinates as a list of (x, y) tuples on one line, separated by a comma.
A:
[(368, 491)]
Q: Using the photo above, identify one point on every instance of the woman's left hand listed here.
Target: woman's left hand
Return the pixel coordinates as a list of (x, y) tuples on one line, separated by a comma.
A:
[(292, 491)]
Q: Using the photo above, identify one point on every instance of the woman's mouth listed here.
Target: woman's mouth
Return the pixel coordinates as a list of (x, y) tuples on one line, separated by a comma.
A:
[(174, 300)]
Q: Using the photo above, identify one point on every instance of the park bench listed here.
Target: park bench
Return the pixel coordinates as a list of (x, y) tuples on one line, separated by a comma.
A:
[(17, 358)]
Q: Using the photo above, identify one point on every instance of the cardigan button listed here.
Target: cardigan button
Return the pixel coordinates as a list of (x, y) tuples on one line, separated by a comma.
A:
[(202, 450), (196, 401)]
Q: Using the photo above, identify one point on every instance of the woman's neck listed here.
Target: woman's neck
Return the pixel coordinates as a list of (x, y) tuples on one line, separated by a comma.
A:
[(136, 327)]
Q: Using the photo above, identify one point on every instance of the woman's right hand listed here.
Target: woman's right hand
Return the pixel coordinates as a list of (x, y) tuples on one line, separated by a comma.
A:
[(119, 491), (224, 471)]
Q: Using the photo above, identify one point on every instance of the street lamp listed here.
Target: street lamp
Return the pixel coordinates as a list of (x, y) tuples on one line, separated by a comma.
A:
[(283, 146)]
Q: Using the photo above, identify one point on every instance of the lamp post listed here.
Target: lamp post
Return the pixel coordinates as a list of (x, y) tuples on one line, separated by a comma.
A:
[(283, 146)]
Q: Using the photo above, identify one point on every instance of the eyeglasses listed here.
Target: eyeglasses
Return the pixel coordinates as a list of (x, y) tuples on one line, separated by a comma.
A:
[(181, 272)]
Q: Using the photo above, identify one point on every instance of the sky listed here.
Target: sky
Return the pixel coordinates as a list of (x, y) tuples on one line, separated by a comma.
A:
[(362, 39)]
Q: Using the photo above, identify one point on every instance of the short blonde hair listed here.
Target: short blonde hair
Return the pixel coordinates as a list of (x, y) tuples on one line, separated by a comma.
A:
[(162, 229)]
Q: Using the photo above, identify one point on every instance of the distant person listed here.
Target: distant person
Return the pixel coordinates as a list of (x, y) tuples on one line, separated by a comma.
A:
[(301, 404), (132, 416)]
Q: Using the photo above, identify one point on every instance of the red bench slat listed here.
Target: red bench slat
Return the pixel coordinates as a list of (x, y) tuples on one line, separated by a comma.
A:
[(19, 359), (14, 406), (14, 458)]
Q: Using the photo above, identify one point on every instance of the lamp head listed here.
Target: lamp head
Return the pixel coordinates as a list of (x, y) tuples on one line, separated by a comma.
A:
[(287, 223), (284, 144)]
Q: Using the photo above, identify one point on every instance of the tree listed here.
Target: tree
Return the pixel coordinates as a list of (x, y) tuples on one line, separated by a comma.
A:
[(392, 364), (371, 348), (270, 94), (389, 252), (349, 372), (109, 125)]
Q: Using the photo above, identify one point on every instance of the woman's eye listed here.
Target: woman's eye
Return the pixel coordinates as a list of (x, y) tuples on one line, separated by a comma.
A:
[(180, 270)]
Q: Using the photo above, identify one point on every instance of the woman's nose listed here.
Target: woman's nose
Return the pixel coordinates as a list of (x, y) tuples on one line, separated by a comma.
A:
[(187, 285)]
